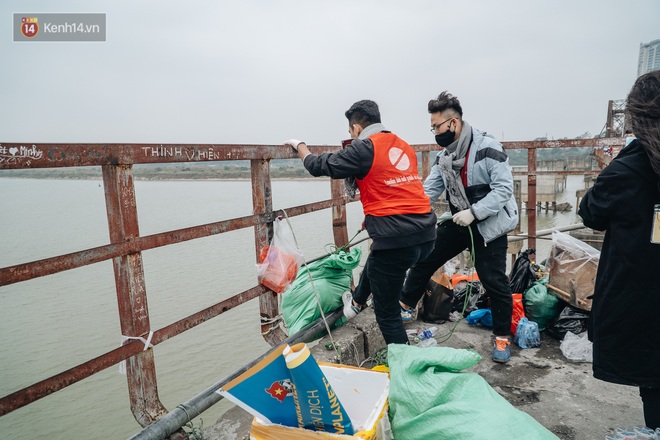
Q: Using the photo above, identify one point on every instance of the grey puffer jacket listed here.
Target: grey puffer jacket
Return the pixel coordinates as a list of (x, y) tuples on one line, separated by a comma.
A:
[(490, 186)]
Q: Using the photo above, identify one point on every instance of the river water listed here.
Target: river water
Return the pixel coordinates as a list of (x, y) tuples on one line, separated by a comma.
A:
[(53, 323)]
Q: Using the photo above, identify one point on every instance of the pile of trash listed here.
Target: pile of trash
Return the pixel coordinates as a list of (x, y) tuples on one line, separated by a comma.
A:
[(551, 299)]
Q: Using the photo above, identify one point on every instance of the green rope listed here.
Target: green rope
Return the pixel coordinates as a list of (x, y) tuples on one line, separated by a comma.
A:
[(379, 358), (332, 248)]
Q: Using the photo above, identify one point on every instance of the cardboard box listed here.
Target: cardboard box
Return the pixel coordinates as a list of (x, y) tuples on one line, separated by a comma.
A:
[(572, 268), (363, 394)]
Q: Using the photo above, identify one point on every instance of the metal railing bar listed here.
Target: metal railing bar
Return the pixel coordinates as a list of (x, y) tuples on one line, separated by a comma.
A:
[(49, 266), (557, 172), (564, 143), (76, 155), (544, 232)]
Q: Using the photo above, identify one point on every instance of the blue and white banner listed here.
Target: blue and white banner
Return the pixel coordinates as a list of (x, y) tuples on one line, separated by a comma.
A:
[(265, 390), (317, 405), (288, 388)]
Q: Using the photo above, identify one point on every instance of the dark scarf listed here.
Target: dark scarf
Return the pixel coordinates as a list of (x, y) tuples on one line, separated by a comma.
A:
[(450, 166)]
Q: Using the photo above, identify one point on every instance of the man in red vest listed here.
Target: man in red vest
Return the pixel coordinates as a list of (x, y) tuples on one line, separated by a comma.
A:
[(398, 215)]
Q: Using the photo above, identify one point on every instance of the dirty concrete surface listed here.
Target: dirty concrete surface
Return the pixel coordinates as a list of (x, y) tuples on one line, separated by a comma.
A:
[(561, 395)]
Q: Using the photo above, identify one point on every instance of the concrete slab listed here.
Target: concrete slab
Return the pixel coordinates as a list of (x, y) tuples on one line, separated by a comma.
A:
[(561, 395)]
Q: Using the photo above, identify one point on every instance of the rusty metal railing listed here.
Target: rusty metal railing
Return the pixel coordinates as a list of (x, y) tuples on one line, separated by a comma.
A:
[(126, 245), (532, 172)]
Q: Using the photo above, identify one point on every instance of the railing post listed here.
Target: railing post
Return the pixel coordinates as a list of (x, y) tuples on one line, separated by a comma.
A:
[(262, 203), (515, 247), (131, 292), (426, 168), (531, 197), (339, 227)]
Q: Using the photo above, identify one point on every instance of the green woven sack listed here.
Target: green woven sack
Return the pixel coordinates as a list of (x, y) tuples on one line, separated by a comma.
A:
[(331, 276), (430, 398), (541, 306)]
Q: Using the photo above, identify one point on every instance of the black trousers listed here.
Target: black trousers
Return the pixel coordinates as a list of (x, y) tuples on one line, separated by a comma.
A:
[(651, 402), (490, 262), (383, 276)]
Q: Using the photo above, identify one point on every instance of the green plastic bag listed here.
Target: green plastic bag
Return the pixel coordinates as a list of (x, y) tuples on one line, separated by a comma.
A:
[(541, 306), (332, 276), (430, 398)]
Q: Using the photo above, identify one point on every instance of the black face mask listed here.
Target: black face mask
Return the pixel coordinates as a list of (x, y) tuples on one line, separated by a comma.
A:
[(445, 139)]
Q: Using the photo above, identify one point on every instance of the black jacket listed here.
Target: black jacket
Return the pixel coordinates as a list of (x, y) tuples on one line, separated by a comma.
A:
[(388, 232), (625, 315)]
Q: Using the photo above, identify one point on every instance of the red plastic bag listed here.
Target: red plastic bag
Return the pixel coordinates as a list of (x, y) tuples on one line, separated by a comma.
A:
[(518, 312), (279, 262)]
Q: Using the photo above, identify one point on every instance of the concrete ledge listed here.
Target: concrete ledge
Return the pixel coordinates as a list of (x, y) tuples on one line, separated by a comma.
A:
[(358, 339), (233, 425)]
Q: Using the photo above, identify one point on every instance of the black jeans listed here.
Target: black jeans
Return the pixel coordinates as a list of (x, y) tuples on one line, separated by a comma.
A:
[(490, 262), (651, 402), (383, 276)]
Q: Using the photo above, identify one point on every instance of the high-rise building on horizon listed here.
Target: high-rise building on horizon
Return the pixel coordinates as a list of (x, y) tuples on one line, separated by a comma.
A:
[(649, 57)]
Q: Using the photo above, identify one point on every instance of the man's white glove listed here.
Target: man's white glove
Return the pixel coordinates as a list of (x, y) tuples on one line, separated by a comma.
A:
[(294, 143), (463, 218)]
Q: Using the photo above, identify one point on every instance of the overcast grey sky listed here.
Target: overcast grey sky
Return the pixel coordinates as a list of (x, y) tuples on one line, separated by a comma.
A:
[(260, 72)]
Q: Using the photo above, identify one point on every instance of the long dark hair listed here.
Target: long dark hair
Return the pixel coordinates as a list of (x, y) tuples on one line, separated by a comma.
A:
[(643, 107)]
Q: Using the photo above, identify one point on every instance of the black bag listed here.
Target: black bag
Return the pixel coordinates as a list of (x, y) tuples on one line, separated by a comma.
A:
[(436, 303), (522, 274), (477, 297), (571, 319)]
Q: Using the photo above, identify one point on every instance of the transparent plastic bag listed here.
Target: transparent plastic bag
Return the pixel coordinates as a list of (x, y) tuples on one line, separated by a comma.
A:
[(577, 348), (280, 260), (527, 334), (572, 268)]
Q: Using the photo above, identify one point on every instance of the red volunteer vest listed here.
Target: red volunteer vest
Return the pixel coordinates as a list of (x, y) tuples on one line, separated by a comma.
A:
[(393, 185)]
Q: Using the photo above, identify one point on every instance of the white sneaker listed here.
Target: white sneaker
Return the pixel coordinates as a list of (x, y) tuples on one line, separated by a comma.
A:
[(350, 310), (407, 314)]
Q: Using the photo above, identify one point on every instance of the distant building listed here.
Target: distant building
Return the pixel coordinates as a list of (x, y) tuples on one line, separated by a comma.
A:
[(649, 57)]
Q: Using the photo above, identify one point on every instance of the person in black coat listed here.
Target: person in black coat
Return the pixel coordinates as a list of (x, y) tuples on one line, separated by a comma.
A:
[(625, 202)]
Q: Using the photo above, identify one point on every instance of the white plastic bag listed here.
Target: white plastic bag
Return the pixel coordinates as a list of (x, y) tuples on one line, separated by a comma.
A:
[(577, 348), (281, 259)]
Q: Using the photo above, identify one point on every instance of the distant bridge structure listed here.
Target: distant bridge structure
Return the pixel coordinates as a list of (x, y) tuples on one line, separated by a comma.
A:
[(616, 123)]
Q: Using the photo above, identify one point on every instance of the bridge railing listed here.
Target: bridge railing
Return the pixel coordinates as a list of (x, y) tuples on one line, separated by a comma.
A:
[(532, 147), (126, 245)]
